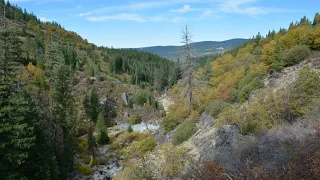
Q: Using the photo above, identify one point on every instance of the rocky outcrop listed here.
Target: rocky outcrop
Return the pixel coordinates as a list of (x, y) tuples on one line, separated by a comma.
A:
[(233, 150), (165, 101), (105, 172), (141, 127), (110, 169), (289, 75), (161, 137), (124, 98), (203, 142)]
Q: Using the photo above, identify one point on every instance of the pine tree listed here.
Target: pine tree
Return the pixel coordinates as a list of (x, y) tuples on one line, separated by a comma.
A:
[(316, 19), (277, 60), (92, 109), (92, 105), (17, 117), (101, 127), (64, 118), (17, 135)]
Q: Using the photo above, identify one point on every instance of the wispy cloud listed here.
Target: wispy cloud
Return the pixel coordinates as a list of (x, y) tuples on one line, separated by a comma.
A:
[(122, 17), (212, 9), (130, 7), (141, 6), (137, 18), (185, 9), (247, 7)]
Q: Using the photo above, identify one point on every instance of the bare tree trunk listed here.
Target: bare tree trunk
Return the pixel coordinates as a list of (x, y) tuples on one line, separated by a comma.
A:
[(186, 40)]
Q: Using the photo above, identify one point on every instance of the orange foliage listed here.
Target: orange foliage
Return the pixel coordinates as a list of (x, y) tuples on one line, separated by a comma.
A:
[(34, 70)]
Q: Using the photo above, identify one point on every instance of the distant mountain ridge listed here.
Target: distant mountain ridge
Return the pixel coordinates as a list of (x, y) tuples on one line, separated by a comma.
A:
[(200, 48)]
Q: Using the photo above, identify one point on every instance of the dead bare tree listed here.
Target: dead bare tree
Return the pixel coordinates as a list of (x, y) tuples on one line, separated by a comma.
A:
[(189, 64)]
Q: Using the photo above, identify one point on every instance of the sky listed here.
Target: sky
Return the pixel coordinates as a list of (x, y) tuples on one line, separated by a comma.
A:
[(142, 23)]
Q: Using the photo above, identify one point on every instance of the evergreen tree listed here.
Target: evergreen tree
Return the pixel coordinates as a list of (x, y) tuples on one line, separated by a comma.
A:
[(101, 127), (92, 109), (316, 19), (92, 105), (64, 118), (277, 60), (22, 149)]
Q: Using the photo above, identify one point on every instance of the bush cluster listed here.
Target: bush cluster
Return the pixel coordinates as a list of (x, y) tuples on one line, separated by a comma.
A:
[(134, 120), (216, 107), (270, 108), (296, 54), (83, 169), (186, 129)]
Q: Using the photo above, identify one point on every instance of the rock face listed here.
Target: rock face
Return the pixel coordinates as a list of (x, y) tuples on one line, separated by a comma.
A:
[(139, 127), (289, 75), (124, 98), (161, 138), (211, 144), (202, 143), (104, 172), (108, 171), (165, 102), (229, 147)]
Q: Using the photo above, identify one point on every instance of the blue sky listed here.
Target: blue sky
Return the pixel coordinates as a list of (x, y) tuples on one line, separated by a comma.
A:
[(140, 23)]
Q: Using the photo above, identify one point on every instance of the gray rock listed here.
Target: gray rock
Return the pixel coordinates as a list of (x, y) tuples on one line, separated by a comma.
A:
[(103, 101), (134, 106), (161, 138), (124, 98), (139, 127), (126, 115), (103, 172), (103, 150), (206, 121)]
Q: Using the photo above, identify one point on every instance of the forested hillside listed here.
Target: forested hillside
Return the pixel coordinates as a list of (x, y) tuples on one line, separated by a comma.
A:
[(258, 93), (205, 48), (47, 73)]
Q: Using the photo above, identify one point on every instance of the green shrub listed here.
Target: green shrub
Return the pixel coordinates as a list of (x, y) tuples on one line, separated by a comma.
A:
[(130, 129), (169, 123), (155, 104), (186, 129), (296, 54), (266, 110), (176, 115), (130, 103), (134, 120), (142, 85), (102, 161), (183, 132), (142, 146), (86, 158), (147, 144), (216, 107), (103, 137), (306, 89), (114, 146), (127, 137), (83, 144), (83, 169), (142, 97), (244, 93)]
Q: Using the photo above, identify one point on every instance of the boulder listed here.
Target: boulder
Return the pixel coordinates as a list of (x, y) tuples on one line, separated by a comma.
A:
[(126, 115), (162, 138), (124, 98), (106, 172)]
